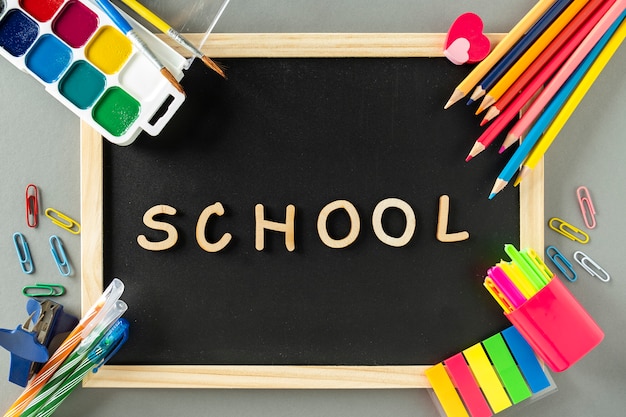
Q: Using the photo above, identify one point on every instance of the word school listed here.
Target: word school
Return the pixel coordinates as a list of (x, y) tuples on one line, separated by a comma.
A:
[(288, 227)]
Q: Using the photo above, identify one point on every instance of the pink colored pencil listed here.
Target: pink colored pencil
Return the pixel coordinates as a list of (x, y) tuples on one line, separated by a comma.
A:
[(566, 70), (570, 37)]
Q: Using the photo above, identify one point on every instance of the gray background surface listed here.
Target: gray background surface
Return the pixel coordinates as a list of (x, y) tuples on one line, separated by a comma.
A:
[(40, 144)]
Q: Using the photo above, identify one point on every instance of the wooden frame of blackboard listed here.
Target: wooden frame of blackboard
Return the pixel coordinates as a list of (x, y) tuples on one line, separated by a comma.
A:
[(264, 376)]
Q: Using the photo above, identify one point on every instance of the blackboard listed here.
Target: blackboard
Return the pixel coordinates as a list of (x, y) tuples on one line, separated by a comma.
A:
[(305, 132)]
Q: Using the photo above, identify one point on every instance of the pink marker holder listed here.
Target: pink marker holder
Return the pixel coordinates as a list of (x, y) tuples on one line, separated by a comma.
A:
[(556, 326)]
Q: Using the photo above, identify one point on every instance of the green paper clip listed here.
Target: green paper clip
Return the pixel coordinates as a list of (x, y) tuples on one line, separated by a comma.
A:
[(43, 290)]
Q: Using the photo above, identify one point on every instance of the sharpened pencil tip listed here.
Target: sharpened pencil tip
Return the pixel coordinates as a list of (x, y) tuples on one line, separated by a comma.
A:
[(501, 150), (469, 102), (484, 122), (492, 195), (456, 96), (468, 158)]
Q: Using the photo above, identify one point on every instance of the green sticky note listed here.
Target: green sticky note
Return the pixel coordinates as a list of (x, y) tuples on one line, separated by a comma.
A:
[(506, 368)]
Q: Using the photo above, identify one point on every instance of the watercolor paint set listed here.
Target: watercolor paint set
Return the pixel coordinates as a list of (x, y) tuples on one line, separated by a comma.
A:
[(76, 51)]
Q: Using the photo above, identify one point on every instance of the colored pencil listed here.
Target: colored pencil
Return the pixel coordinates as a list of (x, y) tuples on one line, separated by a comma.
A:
[(125, 27), (531, 54), (569, 38), (164, 27), (110, 295), (563, 74), (574, 99), (518, 49), (482, 68)]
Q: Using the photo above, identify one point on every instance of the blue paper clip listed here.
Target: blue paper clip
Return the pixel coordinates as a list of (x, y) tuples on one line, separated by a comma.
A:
[(63, 221), (58, 253), (562, 263), (586, 207), (591, 266), (569, 231), (23, 253)]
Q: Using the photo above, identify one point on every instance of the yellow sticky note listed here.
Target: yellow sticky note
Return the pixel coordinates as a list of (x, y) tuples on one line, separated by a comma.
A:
[(487, 378), (445, 391)]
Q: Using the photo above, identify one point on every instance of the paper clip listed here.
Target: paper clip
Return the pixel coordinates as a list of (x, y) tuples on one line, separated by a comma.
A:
[(58, 253), (23, 253), (43, 290), (63, 221), (32, 205), (591, 266), (586, 207), (562, 263), (568, 230)]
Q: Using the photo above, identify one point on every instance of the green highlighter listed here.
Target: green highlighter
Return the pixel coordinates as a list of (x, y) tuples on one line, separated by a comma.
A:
[(528, 267)]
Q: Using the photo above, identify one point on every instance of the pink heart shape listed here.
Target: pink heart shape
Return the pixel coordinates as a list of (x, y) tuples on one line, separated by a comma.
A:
[(458, 51), (470, 27)]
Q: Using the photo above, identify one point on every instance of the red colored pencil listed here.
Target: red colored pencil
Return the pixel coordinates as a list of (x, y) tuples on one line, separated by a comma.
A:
[(574, 28)]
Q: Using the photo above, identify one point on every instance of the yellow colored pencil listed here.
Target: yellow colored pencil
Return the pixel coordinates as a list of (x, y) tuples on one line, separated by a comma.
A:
[(531, 53), (499, 51), (164, 27), (572, 102)]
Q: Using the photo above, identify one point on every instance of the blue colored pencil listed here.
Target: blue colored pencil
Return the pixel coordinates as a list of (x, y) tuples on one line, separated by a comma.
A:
[(550, 112), (520, 47)]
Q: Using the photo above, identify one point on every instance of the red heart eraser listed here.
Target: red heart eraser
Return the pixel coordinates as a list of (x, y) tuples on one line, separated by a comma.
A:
[(470, 27)]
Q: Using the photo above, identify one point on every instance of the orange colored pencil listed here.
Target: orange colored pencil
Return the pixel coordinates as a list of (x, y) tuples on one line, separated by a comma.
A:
[(564, 72), (574, 33), (499, 51), (531, 54)]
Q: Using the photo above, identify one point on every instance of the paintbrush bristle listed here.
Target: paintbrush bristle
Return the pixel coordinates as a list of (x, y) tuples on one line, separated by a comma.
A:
[(213, 65), (170, 77)]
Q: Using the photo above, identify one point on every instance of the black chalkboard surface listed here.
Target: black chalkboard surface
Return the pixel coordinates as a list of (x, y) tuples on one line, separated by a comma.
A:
[(307, 132)]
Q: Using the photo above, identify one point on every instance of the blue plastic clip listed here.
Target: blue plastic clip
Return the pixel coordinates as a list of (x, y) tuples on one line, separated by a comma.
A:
[(58, 253), (23, 253), (562, 263)]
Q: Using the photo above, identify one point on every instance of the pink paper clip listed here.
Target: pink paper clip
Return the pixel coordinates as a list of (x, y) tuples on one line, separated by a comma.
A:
[(586, 207), (32, 205)]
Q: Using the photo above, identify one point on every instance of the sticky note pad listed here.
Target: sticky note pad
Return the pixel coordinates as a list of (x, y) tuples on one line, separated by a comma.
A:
[(487, 378), (507, 369), (470, 392), (526, 359), (445, 391)]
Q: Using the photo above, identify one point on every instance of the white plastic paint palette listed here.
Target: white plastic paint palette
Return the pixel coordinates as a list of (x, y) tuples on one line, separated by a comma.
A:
[(83, 60)]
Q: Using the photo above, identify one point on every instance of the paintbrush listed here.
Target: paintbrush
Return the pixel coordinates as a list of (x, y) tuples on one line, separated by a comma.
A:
[(164, 27), (125, 27)]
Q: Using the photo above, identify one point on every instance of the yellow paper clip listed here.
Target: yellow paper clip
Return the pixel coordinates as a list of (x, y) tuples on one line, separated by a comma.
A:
[(569, 231), (43, 290), (591, 266), (586, 207), (60, 258), (562, 263), (63, 221)]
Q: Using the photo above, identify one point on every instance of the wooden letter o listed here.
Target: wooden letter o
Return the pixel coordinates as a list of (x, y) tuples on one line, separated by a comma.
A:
[(377, 222), (355, 224)]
